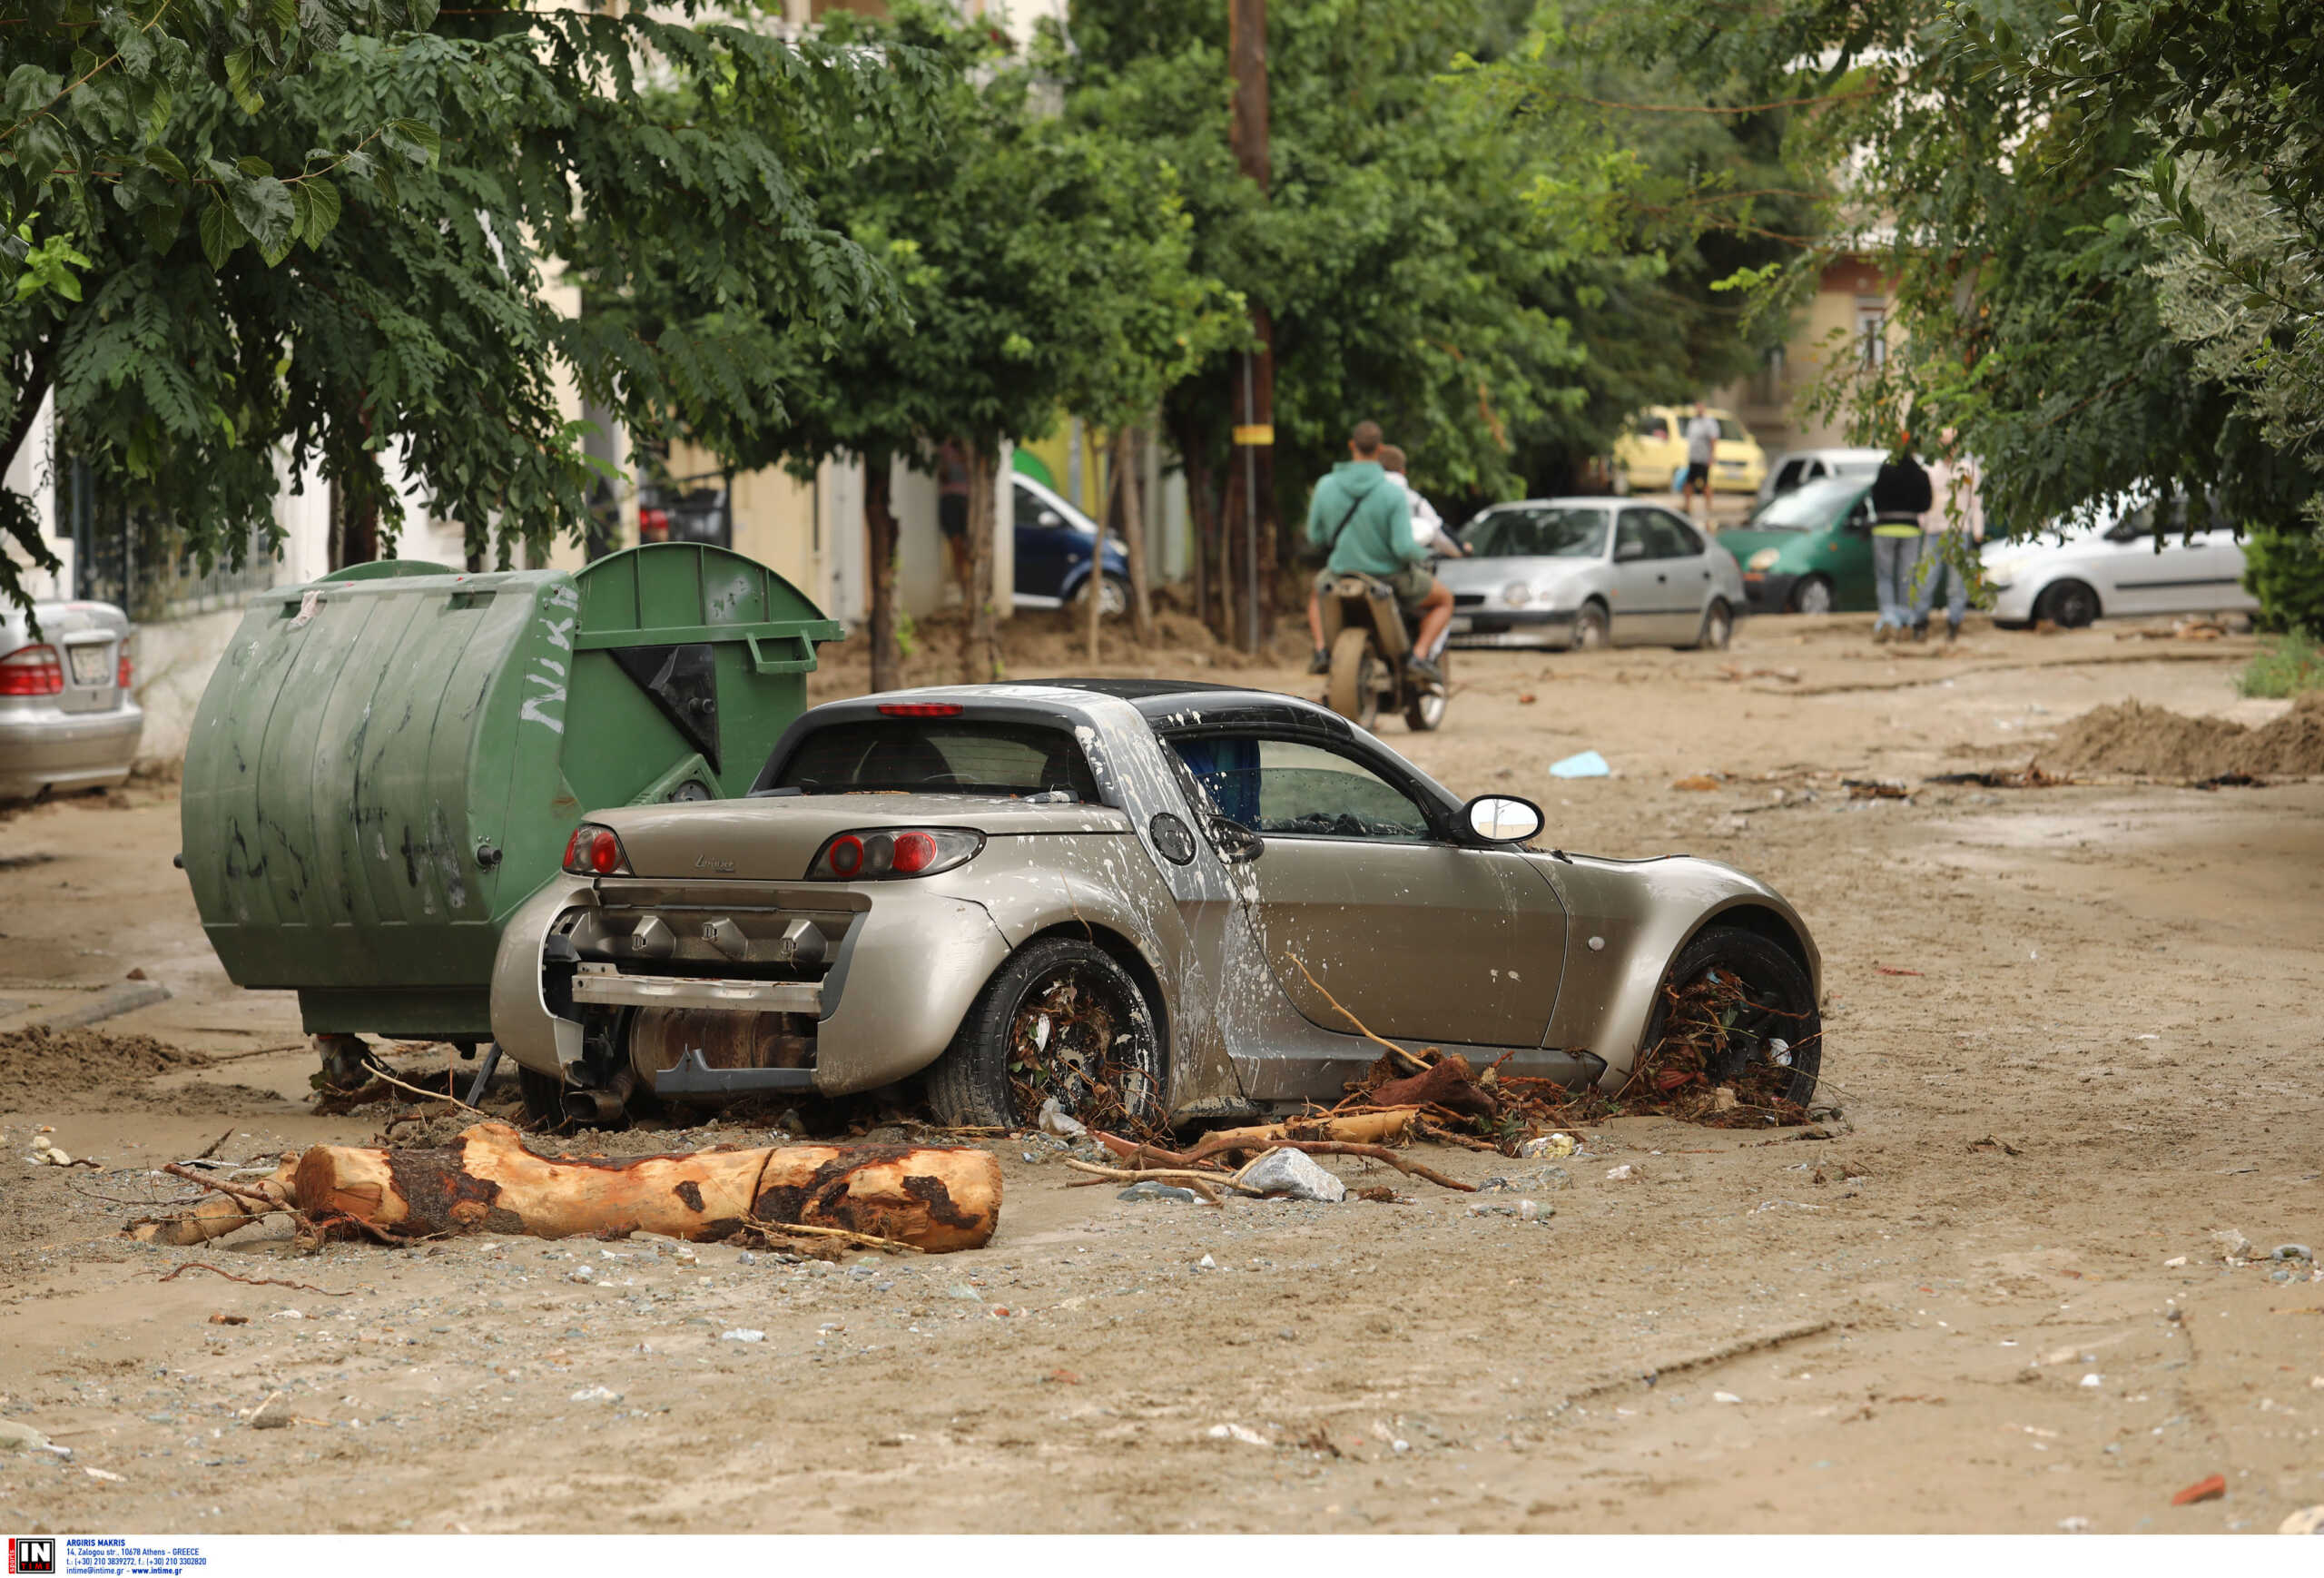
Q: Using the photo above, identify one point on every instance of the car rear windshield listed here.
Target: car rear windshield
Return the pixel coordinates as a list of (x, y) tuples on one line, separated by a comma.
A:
[(938, 756), (1533, 531), (1808, 509)]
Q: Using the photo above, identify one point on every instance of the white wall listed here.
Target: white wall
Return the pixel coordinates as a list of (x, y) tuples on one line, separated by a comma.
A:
[(34, 473)]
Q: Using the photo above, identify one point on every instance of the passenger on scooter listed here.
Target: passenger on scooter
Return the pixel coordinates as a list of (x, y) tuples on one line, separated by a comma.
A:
[(1428, 527), (1363, 523)]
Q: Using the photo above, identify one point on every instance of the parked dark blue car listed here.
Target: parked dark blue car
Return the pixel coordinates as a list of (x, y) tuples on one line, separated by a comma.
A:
[(1053, 549)]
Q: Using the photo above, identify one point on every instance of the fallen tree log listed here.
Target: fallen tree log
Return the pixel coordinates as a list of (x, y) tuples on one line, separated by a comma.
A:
[(1381, 1127), (932, 1198)]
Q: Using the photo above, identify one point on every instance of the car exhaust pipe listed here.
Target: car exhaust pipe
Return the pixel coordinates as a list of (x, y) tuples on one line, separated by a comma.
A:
[(596, 1108)]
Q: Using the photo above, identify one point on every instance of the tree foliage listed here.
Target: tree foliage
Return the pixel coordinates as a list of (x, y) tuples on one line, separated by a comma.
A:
[(333, 247)]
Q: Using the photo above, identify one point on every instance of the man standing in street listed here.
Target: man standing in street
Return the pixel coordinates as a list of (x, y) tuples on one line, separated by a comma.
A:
[(1362, 522), (1954, 525), (1900, 497), (1703, 451)]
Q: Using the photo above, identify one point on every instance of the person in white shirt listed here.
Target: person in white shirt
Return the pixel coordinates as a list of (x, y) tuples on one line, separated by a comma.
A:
[(1956, 511), (1428, 527), (1702, 450)]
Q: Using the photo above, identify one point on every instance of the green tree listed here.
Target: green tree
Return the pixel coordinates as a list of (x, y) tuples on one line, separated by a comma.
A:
[(328, 243), (1036, 263)]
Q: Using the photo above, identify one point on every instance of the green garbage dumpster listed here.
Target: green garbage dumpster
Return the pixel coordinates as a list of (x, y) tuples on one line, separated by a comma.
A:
[(388, 761)]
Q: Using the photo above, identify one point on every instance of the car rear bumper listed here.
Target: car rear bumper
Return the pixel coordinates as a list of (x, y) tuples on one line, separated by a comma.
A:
[(1475, 627), (59, 750)]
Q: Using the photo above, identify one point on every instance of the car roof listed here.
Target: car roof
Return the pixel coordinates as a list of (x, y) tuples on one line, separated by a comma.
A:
[(1583, 500), (1834, 452)]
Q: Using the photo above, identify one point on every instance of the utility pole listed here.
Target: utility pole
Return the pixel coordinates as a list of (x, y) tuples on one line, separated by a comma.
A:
[(1246, 53)]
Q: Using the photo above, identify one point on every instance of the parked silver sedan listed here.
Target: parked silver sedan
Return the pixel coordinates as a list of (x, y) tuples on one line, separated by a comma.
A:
[(1590, 572), (66, 718)]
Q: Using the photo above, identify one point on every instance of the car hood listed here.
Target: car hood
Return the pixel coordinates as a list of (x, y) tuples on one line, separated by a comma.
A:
[(1491, 575), (1743, 543), (773, 838)]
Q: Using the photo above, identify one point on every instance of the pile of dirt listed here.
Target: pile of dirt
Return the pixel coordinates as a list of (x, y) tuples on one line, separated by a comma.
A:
[(81, 1070), (2149, 741)]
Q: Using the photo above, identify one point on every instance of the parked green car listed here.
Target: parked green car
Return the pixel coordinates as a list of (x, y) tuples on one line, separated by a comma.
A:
[(1808, 551)]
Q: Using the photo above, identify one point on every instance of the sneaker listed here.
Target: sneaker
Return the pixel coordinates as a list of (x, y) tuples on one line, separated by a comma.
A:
[(1952, 631), (1882, 635), (1920, 632), (1321, 663), (1420, 668)]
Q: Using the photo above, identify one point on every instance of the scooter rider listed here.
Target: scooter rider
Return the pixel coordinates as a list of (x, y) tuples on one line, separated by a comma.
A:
[(1362, 519)]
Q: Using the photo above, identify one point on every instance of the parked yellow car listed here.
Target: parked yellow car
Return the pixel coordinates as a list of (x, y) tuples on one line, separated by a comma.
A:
[(1652, 453)]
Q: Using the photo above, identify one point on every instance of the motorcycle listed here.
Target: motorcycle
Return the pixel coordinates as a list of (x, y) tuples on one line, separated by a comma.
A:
[(1368, 639)]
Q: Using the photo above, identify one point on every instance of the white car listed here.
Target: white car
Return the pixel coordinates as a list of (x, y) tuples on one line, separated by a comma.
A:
[(1798, 467), (2113, 565), (1568, 572), (67, 720)]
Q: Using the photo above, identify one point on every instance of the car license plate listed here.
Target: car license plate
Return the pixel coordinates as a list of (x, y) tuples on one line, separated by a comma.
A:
[(92, 665), (1462, 624)]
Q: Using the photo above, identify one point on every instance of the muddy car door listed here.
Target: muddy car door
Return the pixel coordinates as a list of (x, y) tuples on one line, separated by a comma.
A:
[(1419, 935)]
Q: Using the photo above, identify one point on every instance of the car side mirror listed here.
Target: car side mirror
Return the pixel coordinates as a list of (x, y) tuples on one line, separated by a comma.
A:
[(1502, 818), (1050, 518), (1237, 844)]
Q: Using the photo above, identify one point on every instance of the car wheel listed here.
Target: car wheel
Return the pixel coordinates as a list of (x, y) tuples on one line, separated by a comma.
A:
[(1355, 689), (1113, 593), (1426, 711), (1591, 629), (1062, 1020), (1719, 629), (1812, 595), (1735, 1008), (2070, 604), (543, 1097)]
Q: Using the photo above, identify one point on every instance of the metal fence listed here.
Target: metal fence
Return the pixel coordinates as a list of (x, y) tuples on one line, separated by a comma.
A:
[(134, 558)]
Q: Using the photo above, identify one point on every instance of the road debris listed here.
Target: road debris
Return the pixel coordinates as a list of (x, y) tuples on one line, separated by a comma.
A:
[(2307, 1521), (1294, 1174), (16, 1436), (812, 1197), (1581, 765), (2202, 1490)]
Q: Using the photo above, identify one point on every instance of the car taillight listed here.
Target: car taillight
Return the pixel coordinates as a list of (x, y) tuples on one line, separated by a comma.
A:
[(594, 851), (120, 669), (919, 709), (32, 671), (653, 526), (879, 854)]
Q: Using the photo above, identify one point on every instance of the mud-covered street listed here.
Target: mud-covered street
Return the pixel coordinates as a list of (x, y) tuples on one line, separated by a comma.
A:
[(2072, 1030)]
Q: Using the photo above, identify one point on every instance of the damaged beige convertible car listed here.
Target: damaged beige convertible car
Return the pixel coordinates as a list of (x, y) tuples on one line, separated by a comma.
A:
[(1149, 902)]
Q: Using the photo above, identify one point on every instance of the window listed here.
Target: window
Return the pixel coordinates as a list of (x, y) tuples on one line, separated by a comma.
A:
[(937, 757), (1655, 428), (1655, 533), (1030, 505), (1730, 431), (1788, 476), (1288, 788), (1523, 531), (1872, 333)]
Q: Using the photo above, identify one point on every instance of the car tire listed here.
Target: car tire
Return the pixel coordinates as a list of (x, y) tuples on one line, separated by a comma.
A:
[(1774, 982), (1812, 595), (1719, 629), (1593, 630), (2068, 604), (1113, 588), (543, 1097), (1354, 692), (985, 1081)]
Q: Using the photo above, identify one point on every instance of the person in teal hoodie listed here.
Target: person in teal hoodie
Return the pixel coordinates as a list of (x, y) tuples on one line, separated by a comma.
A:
[(1360, 520)]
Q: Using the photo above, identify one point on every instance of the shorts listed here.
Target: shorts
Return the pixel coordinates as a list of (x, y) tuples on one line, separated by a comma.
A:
[(1696, 471), (1412, 584), (952, 513)]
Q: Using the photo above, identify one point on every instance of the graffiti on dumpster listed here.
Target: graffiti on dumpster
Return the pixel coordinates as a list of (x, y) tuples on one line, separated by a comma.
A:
[(548, 672)]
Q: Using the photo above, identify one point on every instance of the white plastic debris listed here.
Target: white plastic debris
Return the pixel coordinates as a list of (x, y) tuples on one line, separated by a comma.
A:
[(2307, 1521), (2074, 1525), (582, 1274), (1242, 1432), (743, 1333), (1056, 1119), (1618, 1174), (101, 1474), (2093, 1380), (1724, 1397), (597, 1395), (1293, 1173), (16, 1436), (1548, 1145)]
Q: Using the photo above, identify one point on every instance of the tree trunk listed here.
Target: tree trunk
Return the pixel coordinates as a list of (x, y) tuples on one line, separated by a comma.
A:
[(1128, 469), (937, 1199), (1204, 520), (1093, 588), (879, 522), (981, 659), (25, 409)]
